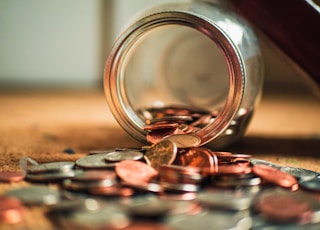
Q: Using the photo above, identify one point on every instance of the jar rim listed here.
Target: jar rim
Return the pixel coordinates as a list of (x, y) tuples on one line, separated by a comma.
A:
[(119, 106)]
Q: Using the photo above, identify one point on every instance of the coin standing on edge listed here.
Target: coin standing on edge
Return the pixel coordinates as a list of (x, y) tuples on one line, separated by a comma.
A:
[(163, 152), (185, 140)]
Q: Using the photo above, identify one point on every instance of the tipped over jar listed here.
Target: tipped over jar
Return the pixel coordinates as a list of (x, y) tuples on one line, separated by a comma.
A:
[(185, 67)]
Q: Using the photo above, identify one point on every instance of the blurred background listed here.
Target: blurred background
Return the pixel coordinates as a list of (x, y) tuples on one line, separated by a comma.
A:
[(64, 44)]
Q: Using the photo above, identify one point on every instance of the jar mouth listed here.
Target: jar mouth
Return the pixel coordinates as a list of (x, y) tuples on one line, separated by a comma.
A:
[(117, 67)]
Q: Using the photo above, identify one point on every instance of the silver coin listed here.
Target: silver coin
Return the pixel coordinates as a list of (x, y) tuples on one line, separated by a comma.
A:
[(95, 161), (299, 173), (263, 162), (61, 166), (235, 181), (105, 151), (179, 187), (149, 208), (185, 140), (47, 177), (101, 218), (117, 156), (311, 184), (36, 195), (225, 200), (66, 206), (87, 185)]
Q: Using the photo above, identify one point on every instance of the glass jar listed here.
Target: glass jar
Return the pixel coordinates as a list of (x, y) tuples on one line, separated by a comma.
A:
[(187, 54)]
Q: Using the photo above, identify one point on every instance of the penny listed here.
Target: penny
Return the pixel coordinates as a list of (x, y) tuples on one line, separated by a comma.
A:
[(273, 175), (7, 176), (177, 118), (198, 157), (233, 158), (234, 169), (51, 167), (112, 191), (180, 174), (185, 140), (11, 210), (117, 156), (156, 136), (135, 172), (161, 126), (283, 208), (96, 161), (164, 152)]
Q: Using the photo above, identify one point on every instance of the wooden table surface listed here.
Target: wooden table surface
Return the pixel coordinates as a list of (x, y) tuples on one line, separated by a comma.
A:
[(41, 125)]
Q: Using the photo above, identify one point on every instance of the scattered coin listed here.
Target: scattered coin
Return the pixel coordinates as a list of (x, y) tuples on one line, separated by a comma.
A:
[(299, 173), (51, 167), (135, 172), (311, 184), (36, 195), (95, 161), (117, 156), (11, 210), (273, 175), (7, 176), (283, 208)]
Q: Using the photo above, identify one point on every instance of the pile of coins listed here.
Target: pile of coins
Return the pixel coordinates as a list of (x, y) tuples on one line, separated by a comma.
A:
[(183, 188), (177, 119), (171, 184)]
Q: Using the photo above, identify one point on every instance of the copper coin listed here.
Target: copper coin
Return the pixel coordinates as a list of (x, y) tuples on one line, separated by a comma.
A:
[(156, 136), (275, 176), (226, 158), (11, 210), (135, 172), (112, 191), (164, 152), (7, 176), (179, 174), (234, 169), (283, 208), (221, 154), (185, 140), (161, 126), (198, 157)]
